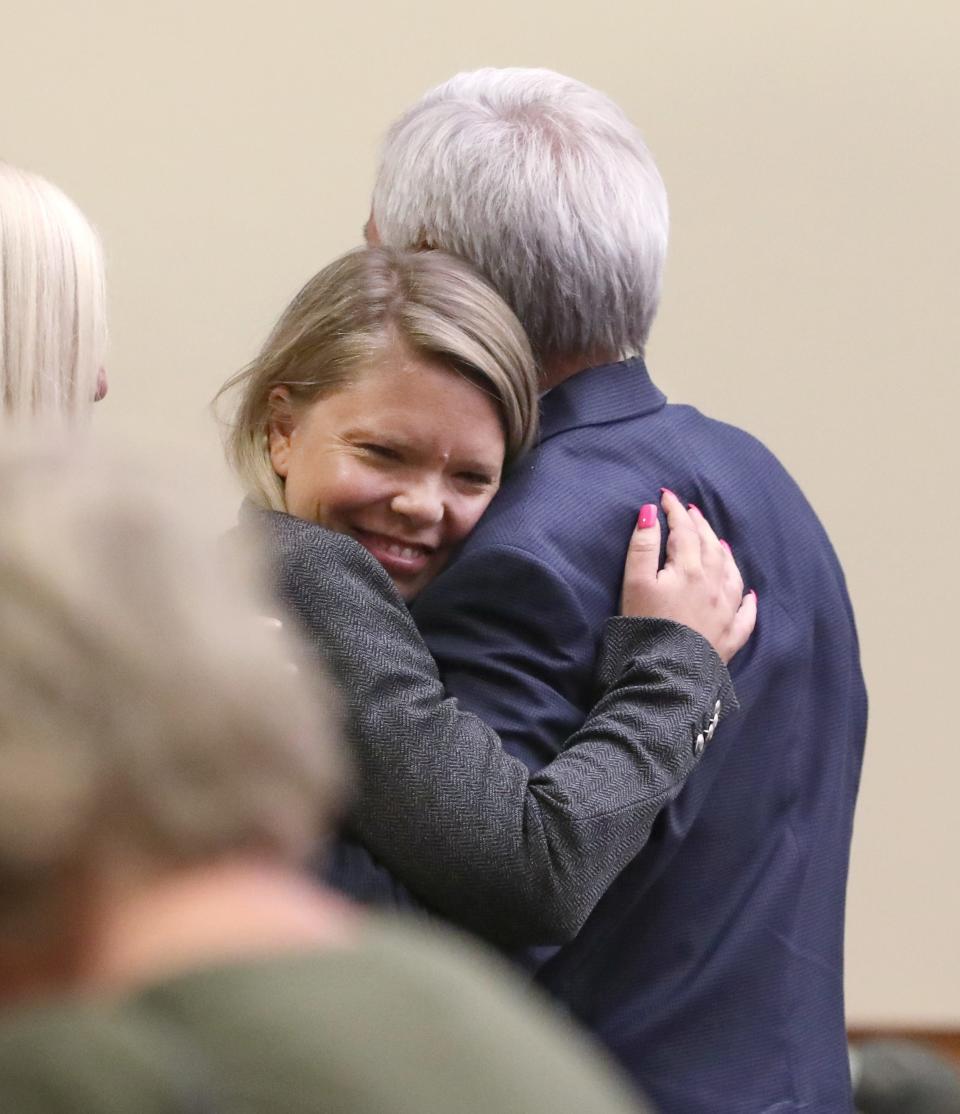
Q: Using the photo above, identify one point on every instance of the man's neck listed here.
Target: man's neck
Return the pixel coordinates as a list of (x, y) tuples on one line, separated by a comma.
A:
[(560, 368)]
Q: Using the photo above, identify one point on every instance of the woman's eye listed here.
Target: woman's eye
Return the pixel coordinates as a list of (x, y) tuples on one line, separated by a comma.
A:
[(476, 479), (384, 452)]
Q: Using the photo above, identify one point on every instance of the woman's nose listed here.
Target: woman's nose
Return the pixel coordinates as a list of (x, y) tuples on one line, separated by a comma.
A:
[(421, 504)]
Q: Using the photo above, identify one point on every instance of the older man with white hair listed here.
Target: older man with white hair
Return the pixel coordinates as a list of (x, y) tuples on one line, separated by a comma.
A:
[(713, 966)]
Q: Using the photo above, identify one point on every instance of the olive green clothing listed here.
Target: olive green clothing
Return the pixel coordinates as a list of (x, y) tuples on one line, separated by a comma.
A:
[(405, 1022)]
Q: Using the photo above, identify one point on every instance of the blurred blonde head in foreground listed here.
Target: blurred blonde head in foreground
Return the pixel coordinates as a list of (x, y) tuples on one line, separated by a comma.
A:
[(149, 720), (53, 329)]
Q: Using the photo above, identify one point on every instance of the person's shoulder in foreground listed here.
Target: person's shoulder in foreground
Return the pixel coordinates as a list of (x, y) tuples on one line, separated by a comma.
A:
[(405, 1021), (87, 1057)]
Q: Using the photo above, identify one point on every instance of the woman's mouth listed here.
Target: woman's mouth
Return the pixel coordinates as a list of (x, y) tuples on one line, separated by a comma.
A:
[(398, 557)]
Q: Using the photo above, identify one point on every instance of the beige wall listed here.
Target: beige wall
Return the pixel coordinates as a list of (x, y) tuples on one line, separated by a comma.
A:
[(225, 150)]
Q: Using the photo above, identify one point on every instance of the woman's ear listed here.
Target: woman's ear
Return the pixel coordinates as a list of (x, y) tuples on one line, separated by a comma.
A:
[(280, 428)]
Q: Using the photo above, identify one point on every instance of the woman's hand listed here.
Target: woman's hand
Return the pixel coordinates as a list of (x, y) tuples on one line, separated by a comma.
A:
[(699, 585)]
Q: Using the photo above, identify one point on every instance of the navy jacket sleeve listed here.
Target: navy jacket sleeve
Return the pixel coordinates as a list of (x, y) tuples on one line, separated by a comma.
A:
[(514, 646)]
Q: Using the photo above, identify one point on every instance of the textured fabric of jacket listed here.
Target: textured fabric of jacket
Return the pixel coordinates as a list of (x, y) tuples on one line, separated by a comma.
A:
[(514, 856), (713, 966)]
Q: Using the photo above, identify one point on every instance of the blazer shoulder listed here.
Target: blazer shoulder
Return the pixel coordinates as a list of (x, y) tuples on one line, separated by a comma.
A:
[(296, 540), (315, 569)]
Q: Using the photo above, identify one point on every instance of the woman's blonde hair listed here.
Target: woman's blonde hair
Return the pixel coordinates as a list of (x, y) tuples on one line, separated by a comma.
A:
[(146, 713), (52, 301), (348, 315)]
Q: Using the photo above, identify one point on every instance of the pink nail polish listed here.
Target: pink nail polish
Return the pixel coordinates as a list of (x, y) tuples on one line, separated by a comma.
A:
[(753, 592), (647, 516), (694, 507), (726, 546), (666, 491)]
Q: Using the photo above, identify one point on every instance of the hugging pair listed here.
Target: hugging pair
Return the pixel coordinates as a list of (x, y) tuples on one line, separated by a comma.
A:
[(711, 965), (710, 917)]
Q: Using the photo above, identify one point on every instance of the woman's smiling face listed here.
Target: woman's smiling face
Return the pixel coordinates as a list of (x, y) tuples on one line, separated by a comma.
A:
[(405, 460)]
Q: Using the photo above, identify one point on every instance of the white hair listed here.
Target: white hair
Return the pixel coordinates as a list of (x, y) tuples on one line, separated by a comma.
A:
[(146, 713), (546, 186), (52, 301)]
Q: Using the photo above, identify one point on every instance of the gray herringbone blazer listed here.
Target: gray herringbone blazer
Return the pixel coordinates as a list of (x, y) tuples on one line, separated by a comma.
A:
[(517, 857)]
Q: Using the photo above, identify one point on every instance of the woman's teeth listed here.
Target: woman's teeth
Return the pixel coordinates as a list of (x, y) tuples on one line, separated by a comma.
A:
[(406, 551)]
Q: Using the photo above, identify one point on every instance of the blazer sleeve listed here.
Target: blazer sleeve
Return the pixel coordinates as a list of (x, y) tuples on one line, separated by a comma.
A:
[(516, 646), (517, 857)]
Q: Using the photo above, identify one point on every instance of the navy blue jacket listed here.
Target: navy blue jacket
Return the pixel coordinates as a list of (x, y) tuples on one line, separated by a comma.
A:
[(713, 966)]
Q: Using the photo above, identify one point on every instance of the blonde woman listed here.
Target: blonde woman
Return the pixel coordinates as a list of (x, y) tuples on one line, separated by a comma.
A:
[(52, 304), (162, 776), (372, 432)]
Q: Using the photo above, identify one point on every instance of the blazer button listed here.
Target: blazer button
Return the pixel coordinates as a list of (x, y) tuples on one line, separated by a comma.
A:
[(699, 743), (714, 720)]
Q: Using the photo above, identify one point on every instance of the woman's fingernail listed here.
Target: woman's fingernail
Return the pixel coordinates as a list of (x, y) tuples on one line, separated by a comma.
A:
[(753, 592), (666, 491), (647, 516), (726, 546), (694, 507)]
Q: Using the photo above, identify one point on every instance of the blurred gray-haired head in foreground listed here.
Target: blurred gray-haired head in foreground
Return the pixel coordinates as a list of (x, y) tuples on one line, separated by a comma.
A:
[(149, 719)]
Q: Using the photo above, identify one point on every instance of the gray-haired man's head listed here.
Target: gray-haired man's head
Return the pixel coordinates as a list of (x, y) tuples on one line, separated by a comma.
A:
[(547, 187)]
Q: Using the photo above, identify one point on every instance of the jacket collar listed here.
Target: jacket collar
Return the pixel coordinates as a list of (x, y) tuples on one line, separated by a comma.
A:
[(607, 393)]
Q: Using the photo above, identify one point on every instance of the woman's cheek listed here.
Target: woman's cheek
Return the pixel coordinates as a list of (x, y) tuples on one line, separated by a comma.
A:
[(356, 483), (376, 487), (466, 514)]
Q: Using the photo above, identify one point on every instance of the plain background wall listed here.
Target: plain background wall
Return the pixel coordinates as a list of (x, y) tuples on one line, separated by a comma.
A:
[(226, 149)]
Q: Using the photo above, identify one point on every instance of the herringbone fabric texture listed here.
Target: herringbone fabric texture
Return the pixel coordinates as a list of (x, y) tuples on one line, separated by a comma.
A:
[(514, 856)]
